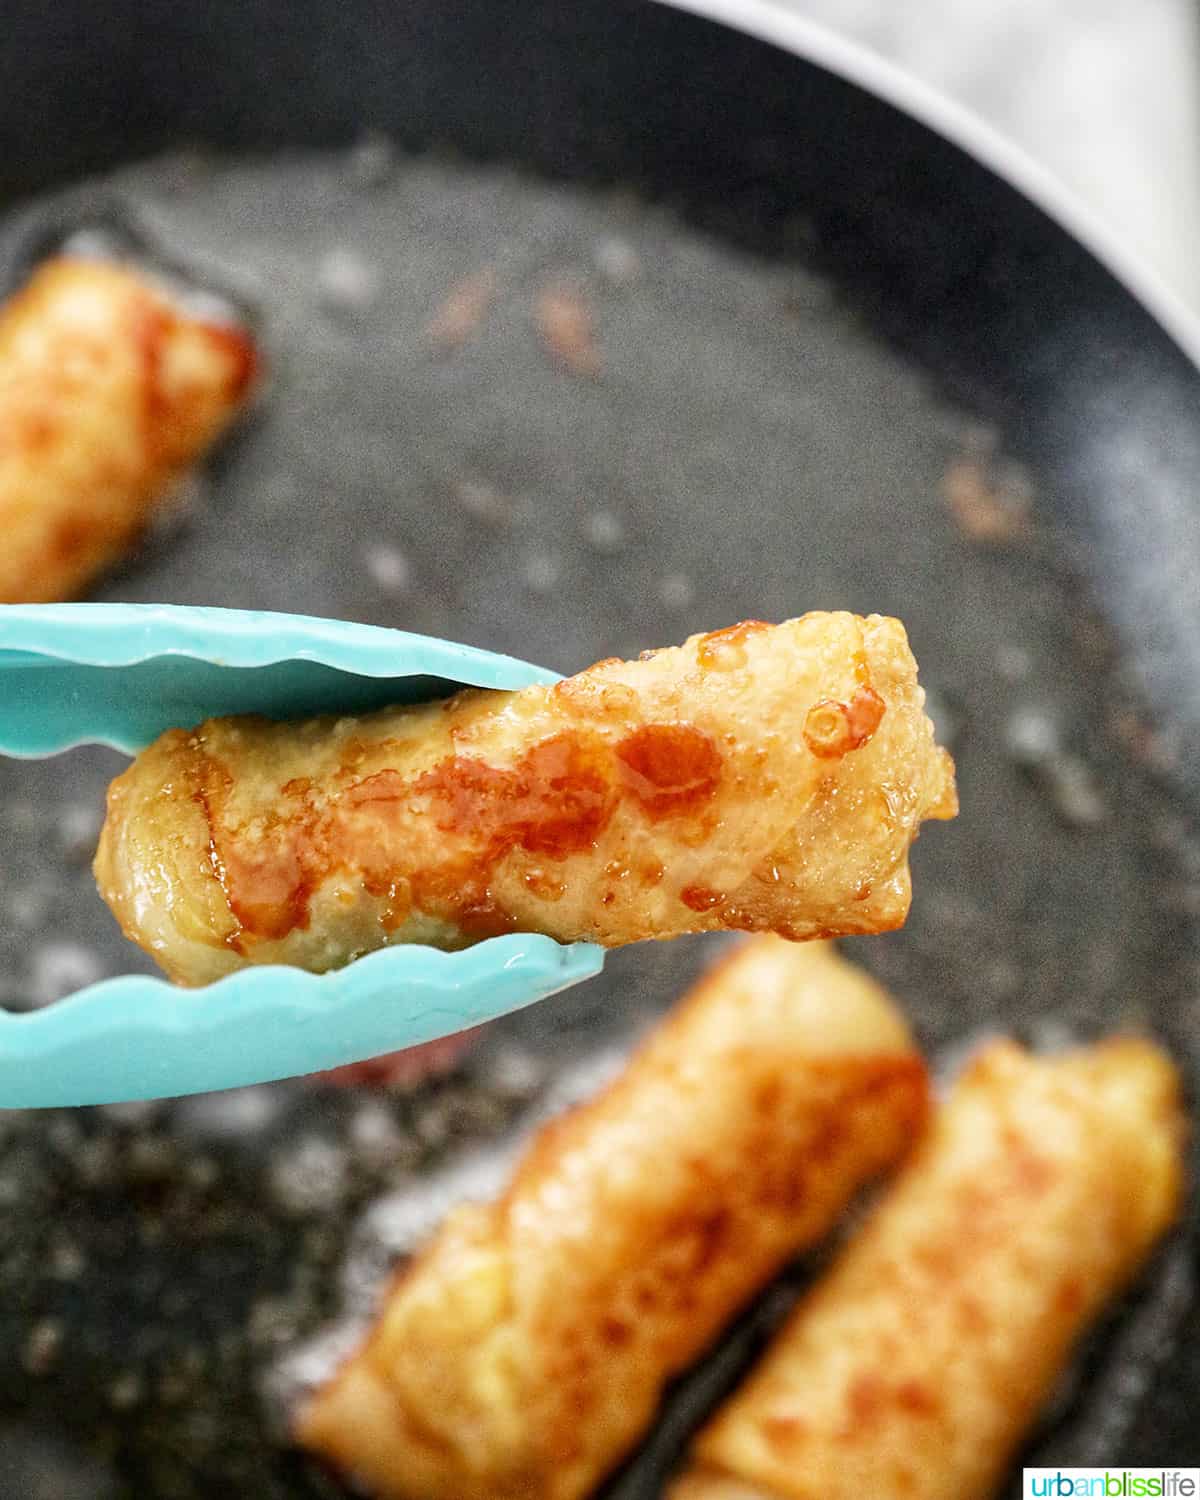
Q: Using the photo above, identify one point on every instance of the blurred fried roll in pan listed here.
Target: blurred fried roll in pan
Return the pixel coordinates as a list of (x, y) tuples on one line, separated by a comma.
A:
[(109, 390), (915, 1367), (524, 1353)]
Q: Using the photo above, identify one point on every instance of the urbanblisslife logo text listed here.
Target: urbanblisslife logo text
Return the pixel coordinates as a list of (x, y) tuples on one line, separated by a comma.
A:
[(1121, 1483)]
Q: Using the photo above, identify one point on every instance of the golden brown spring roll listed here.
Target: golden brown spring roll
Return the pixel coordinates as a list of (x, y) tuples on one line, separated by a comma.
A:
[(761, 778), (914, 1368), (108, 391), (526, 1350)]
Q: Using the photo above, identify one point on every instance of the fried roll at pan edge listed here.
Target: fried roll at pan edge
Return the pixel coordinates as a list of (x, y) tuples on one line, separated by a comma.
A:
[(109, 390), (913, 1370), (764, 778), (525, 1352)]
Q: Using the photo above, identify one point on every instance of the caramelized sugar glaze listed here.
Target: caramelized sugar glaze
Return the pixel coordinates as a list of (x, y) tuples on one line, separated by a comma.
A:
[(554, 801)]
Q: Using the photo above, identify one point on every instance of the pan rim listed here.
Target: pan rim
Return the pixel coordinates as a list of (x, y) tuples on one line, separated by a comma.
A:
[(812, 41)]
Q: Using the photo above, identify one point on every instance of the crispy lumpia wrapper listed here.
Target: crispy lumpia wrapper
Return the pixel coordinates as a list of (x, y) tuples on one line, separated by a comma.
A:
[(108, 391), (759, 778), (914, 1368), (525, 1351)]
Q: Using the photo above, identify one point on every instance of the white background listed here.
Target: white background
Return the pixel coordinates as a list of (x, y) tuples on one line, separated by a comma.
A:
[(1102, 92)]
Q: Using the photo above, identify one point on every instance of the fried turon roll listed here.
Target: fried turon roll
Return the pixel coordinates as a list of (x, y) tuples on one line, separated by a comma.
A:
[(524, 1353), (915, 1367), (108, 391), (761, 778)]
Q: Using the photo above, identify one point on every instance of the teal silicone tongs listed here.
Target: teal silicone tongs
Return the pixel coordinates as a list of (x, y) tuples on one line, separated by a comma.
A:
[(119, 674)]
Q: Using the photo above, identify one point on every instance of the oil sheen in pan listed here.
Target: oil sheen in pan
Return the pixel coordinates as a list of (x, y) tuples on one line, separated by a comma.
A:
[(566, 426)]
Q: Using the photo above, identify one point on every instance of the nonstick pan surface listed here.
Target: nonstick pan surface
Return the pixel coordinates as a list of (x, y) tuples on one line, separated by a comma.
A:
[(839, 364)]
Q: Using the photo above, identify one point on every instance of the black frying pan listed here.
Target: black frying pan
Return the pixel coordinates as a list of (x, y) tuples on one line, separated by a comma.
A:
[(810, 308)]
